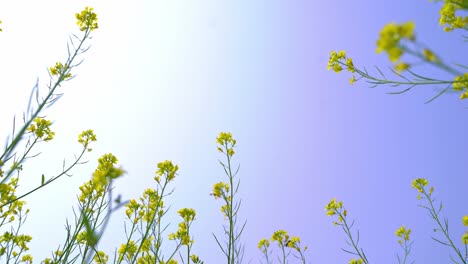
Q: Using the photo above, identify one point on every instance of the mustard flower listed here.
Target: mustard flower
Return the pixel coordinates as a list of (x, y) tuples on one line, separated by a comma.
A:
[(106, 170), (132, 207), (188, 214), (146, 245), (399, 67), (87, 19), (460, 83), (226, 140), (61, 70), (419, 184), (220, 189), (390, 37), (101, 258), (195, 259), (293, 242), (85, 137), (263, 244), (350, 65), (429, 55), (28, 259), (465, 238), (280, 236), (403, 233), (182, 234), (356, 261), (333, 206), (127, 250), (336, 59), (41, 128), (166, 168), (465, 220), (448, 17), (1, 28), (352, 80)]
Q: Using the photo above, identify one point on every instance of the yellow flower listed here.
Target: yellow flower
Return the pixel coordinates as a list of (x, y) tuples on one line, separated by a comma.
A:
[(419, 184), (390, 37), (263, 244), (168, 169), (465, 220), (352, 80), (350, 65), (465, 238), (41, 128), (280, 236), (28, 259), (87, 19), (293, 242), (227, 143), (429, 55), (356, 261), (188, 214), (448, 17), (401, 67), (404, 233), (220, 189), (460, 83), (333, 206), (85, 137), (60, 70), (100, 258)]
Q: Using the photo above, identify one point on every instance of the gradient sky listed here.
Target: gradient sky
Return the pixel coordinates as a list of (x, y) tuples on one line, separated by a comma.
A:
[(163, 78)]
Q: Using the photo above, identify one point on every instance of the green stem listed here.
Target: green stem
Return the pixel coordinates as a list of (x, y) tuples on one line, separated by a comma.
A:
[(444, 231)]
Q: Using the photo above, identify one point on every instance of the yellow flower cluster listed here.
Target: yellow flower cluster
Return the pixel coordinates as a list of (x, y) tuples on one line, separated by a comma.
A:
[(182, 234), (41, 129), (85, 137), (106, 171), (220, 189), (336, 208), (403, 233), (448, 17), (263, 245), (460, 83), (7, 194), (60, 70), (168, 169), (127, 251), (419, 185), (356, 261), (151, 204), (338, 60), (13, 241), (101, 258), (282, 238), (27, 259), (390, 37), (195, 259), (225, 140), (332, 207), (87, 19), (429, 55), (465, 236)]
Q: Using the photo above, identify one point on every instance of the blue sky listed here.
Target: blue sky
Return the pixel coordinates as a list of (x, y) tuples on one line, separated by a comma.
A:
[(163, 78)]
